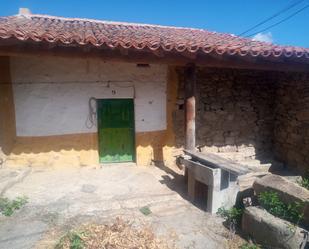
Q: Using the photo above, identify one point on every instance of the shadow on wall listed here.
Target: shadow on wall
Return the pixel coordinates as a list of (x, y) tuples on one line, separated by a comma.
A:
[(150, 146)]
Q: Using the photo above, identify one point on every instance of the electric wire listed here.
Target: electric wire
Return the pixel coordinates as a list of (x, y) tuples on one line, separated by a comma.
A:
[(277, 23), (290, 6)]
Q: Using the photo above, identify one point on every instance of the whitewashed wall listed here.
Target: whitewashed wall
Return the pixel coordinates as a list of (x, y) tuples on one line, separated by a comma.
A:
[(51, 94)]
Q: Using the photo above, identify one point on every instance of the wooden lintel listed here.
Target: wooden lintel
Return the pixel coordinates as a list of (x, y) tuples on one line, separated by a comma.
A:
[(51, 45)]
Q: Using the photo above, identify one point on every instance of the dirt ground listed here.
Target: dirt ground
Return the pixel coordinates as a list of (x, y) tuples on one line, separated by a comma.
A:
[(62, 199)]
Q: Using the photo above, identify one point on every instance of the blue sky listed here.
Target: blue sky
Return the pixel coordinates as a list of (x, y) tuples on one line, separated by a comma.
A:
[(231, 16)]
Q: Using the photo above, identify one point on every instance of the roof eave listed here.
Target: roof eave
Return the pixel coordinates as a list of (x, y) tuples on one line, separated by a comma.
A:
[(15, 47)]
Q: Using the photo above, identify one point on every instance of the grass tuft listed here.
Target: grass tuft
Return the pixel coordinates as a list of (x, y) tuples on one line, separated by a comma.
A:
[(7, 206), (249, 246), (145, 210), (72, 240)]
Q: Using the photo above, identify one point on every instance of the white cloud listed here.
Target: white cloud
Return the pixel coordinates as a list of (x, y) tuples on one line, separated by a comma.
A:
[(263, 37)]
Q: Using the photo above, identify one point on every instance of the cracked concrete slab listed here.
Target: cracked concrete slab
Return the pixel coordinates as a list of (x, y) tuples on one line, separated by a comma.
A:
[(62, 199), (21, 234)]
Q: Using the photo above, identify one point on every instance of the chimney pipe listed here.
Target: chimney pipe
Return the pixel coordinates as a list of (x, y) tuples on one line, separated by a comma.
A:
[(24, 11)]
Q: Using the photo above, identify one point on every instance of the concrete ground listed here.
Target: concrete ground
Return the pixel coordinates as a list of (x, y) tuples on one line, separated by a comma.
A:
[(60, 199)]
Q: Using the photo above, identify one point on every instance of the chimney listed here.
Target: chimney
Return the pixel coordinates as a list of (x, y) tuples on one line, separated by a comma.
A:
[(24, 11)]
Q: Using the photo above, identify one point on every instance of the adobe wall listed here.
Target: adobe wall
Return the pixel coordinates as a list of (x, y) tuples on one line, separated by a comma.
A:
[(51, 103)]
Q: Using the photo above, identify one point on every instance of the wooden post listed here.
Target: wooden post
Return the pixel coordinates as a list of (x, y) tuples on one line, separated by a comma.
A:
[(190, 85), (190, 89)]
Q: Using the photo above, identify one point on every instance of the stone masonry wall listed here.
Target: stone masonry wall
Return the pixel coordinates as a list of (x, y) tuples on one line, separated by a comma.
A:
[(234, 111), (291, 131), (245, 114)]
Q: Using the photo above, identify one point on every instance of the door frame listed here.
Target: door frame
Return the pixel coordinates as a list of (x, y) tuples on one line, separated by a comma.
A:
[(134, 133)]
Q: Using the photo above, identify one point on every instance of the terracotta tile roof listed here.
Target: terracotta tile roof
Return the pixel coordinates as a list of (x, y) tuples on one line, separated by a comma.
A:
[(137, 36)]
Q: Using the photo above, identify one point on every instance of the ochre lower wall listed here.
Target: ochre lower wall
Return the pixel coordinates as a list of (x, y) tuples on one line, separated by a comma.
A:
[(56, 151), (82, 149), (149, 147)]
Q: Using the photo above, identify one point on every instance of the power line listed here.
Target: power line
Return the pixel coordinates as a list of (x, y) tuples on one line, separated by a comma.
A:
[(277, 23), (272, 17)]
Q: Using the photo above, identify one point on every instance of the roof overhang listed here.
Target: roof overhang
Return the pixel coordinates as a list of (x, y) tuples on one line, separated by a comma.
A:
[(14, 47), (40, 35)]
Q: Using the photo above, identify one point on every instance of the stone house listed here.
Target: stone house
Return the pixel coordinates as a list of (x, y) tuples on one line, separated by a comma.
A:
[(83, 92)]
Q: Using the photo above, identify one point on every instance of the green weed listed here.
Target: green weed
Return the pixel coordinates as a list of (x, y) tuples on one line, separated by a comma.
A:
[(304, 182), (73, 239), (7, 206), (232, 215), (249, 246), (145, 210), (292, 212)]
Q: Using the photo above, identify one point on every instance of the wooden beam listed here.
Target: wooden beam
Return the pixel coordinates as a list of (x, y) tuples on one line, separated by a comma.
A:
[(190, 91), (124, 51)]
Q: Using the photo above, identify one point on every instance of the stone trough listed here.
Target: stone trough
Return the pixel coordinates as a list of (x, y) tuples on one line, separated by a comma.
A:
[(273, 232), (269, 230)]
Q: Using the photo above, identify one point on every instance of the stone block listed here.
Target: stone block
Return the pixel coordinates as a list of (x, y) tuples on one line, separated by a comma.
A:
[(210, 116), (288, 191), (229, 140), (270, 231), (228, 148)]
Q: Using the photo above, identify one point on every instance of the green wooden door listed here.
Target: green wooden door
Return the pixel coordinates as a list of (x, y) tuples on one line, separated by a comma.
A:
[(116, 130)]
